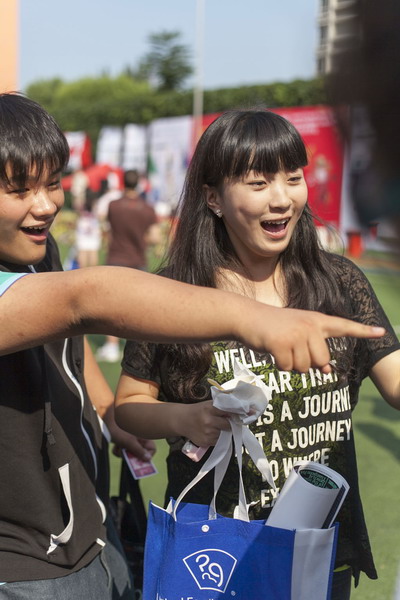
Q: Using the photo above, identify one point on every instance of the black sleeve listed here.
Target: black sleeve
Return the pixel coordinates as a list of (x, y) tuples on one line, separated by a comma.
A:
[(366, 308), (140, 360)]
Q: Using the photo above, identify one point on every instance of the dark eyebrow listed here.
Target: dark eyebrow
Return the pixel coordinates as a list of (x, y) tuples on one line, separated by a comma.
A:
[(56, 172)]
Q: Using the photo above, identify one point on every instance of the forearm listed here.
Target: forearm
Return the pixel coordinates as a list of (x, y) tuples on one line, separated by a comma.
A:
[(386, 376), (151, 420), (102, 398), (139, 411), (100, 393)]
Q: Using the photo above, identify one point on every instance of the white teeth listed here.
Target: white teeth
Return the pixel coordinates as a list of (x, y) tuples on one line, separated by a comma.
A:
[(277, 222)]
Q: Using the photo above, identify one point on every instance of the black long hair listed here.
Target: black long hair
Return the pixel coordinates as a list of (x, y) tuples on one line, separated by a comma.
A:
[(30, 139), (236, 143)]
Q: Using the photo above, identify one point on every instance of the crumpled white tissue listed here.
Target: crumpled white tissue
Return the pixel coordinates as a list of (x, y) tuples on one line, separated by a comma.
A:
[(245, 396)]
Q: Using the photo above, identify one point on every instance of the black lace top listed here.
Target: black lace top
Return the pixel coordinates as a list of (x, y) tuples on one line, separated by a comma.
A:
[(308, 418)]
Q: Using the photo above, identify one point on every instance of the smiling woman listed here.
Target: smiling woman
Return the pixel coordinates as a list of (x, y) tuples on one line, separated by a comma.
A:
[(245, 226), (260, 213)]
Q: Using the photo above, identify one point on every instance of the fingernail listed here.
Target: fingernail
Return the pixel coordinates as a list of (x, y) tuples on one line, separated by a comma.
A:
[(380, 330)]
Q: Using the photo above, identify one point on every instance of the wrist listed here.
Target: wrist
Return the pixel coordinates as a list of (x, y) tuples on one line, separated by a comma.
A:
[(179, 420)]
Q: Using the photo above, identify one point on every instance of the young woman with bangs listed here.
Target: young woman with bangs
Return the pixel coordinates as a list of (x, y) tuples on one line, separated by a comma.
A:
[(245, 226)]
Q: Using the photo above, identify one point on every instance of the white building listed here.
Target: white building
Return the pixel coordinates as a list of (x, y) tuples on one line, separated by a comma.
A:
[(337, 25)]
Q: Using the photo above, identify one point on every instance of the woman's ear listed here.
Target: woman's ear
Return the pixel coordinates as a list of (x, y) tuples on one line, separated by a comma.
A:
[(212, 199)]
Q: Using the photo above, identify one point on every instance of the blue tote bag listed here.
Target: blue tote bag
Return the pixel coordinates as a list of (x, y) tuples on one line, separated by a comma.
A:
[(202, 559), (192, 553)]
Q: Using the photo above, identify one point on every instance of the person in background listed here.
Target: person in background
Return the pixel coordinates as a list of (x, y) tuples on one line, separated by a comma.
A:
[(114, 192), (79, 189), (245, 226), (88, 234), (132, 227)]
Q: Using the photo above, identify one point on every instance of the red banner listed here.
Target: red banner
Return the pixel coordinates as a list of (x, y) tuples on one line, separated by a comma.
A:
[(325, 155)]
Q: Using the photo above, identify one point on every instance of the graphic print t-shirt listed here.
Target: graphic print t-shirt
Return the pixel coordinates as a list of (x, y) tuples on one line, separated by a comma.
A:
[(307, 418)]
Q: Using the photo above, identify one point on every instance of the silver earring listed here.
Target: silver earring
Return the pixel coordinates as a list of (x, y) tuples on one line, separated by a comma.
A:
[(218, 212)]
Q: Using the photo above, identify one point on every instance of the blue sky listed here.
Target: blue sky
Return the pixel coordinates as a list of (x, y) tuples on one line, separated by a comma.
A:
[(245, 41)]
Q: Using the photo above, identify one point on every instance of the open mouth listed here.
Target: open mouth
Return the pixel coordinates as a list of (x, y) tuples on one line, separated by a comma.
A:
[(275, 226), (36, 231)]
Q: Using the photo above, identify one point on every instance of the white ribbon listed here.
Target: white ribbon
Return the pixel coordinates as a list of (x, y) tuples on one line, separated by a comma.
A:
[(245, 397)]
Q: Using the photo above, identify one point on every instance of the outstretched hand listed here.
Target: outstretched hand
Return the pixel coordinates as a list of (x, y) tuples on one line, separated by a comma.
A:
[(297, 338)]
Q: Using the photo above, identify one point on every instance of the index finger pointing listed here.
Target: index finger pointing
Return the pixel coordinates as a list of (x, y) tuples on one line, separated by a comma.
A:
[(346, 328)]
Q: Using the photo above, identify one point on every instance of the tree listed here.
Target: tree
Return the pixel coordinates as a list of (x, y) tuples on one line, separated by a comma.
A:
[(45, 92), (168, 62), (90, 103)]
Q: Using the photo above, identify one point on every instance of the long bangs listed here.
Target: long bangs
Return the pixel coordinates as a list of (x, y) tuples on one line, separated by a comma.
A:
[(256, 140)]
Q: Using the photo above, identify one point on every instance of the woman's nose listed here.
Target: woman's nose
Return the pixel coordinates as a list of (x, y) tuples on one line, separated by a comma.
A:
[(280, 198)]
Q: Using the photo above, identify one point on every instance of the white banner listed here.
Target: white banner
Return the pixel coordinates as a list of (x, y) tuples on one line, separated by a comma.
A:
[(109, 146), (134, 152), (169, 154)]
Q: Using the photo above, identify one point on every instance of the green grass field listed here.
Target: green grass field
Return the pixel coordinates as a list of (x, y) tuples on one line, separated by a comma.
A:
[(377, 431)]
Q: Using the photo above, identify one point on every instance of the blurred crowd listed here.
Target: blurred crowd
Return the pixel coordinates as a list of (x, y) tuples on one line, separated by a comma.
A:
[(84, 231)]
